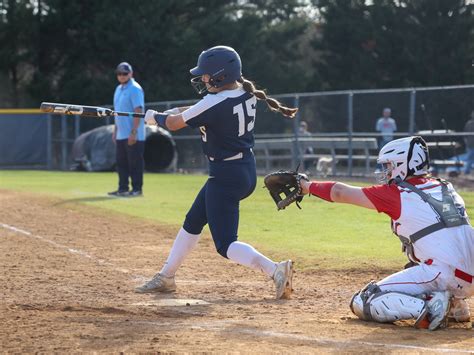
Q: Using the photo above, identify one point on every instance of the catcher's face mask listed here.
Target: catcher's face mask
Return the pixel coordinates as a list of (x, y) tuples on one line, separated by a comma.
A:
[(385, 175)]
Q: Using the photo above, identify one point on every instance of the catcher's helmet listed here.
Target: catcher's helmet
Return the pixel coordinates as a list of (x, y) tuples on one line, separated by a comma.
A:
[(403, 157), (221, 63)]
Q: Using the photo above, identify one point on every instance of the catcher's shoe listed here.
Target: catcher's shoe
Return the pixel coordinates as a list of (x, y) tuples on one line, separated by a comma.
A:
[(435, 314), (459, 310), (159, 283), (283, 278)]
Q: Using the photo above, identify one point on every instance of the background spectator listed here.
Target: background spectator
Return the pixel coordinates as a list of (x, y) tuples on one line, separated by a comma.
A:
[(303, 129), (385, 125)]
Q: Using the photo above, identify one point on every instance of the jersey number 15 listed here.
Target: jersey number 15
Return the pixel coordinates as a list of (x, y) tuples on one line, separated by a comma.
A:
[(240, 112)]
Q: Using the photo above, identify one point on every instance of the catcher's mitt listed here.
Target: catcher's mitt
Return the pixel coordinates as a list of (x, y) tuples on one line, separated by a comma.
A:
[(286, 184)]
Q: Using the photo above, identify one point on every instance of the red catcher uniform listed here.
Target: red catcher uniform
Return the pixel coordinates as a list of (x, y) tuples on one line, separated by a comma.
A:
[(445, 257)]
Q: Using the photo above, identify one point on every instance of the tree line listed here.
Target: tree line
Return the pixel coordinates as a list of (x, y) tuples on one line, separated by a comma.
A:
[(66, 51)]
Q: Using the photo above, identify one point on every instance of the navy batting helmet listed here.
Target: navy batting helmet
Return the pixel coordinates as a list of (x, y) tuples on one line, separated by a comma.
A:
[(221, 63)]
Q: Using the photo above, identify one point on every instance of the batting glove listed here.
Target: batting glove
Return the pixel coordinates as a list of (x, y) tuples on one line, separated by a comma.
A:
[(150, 117), (172, 111)]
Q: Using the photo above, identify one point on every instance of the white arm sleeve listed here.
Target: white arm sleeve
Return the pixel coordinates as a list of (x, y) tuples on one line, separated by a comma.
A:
[(205, 104)]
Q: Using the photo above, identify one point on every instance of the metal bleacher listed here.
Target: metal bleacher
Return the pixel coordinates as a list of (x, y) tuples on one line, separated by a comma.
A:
[(295, 150)]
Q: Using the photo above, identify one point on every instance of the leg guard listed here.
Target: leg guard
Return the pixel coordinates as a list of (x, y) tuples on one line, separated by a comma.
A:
[(372, 304)]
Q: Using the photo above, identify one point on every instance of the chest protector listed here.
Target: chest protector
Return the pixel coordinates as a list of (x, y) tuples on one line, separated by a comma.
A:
[(449, 215)]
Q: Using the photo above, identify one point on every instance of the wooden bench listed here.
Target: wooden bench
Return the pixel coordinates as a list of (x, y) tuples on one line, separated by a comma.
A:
[(296, 150)]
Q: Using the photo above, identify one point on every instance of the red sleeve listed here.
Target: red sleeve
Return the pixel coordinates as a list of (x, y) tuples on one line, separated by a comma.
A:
[(386, 199)]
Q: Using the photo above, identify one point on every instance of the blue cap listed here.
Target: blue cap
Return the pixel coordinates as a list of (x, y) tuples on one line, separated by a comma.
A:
[(124, 67)]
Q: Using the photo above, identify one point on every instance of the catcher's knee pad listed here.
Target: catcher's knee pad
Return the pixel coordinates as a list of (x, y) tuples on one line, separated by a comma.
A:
[(373, 304)]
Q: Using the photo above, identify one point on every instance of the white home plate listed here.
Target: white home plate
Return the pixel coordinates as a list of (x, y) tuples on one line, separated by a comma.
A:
[(172, 302)]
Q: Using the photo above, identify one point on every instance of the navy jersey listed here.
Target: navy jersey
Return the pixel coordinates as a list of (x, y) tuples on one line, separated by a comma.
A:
[(226, 120)]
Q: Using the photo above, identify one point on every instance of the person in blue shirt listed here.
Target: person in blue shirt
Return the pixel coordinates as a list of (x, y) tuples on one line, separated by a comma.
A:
[(386, 125), (226, 119), (129, 133)]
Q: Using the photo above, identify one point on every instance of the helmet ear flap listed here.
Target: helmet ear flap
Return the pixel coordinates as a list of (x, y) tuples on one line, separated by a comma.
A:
[(427, 153), (215, 81), (418, 143)]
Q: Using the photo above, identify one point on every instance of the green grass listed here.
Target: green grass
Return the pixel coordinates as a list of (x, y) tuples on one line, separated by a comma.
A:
[(322, 234)]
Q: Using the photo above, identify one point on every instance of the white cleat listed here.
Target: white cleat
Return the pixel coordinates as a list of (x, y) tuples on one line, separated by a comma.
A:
[(459, 310), (159, 283), (283, 278), (438, 308)]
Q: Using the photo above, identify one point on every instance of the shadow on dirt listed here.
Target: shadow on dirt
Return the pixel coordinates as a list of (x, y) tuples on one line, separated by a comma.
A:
[(86, 199)]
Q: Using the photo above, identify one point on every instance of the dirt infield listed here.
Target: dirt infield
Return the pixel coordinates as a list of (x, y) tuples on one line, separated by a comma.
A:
[(68, 272)]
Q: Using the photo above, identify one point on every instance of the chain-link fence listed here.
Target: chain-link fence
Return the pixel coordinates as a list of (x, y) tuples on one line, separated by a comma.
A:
[(440, 113), (349, 116)]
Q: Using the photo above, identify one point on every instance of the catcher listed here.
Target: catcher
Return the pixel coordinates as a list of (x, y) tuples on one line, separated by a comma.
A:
[(430, 219)]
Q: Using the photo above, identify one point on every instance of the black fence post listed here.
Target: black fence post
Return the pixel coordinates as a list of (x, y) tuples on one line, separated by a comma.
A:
[(350, 125), (411, 124), (296, 144), (63, 142), (49, 142)]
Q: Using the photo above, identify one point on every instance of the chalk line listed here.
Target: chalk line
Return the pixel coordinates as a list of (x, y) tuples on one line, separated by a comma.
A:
[(135, 277)]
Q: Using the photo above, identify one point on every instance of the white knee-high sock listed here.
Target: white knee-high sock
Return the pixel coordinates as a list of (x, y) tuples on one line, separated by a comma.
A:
[(246, 255), (183, 245)]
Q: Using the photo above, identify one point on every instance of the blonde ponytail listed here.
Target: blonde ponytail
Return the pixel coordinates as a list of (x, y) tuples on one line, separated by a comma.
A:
[(273, 104)]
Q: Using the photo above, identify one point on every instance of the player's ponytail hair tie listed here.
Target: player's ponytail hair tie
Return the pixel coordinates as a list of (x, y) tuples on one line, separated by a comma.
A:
[(272, 103)]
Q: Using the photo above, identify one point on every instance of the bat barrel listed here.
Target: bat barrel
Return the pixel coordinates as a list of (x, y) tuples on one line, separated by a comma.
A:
[(71, 109)]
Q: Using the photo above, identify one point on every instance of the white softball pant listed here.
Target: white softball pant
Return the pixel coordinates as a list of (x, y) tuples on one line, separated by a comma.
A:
[(426, 278)]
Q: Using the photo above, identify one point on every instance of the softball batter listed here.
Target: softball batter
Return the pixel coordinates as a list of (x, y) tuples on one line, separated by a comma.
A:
[(430, 219), (225, 118)]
